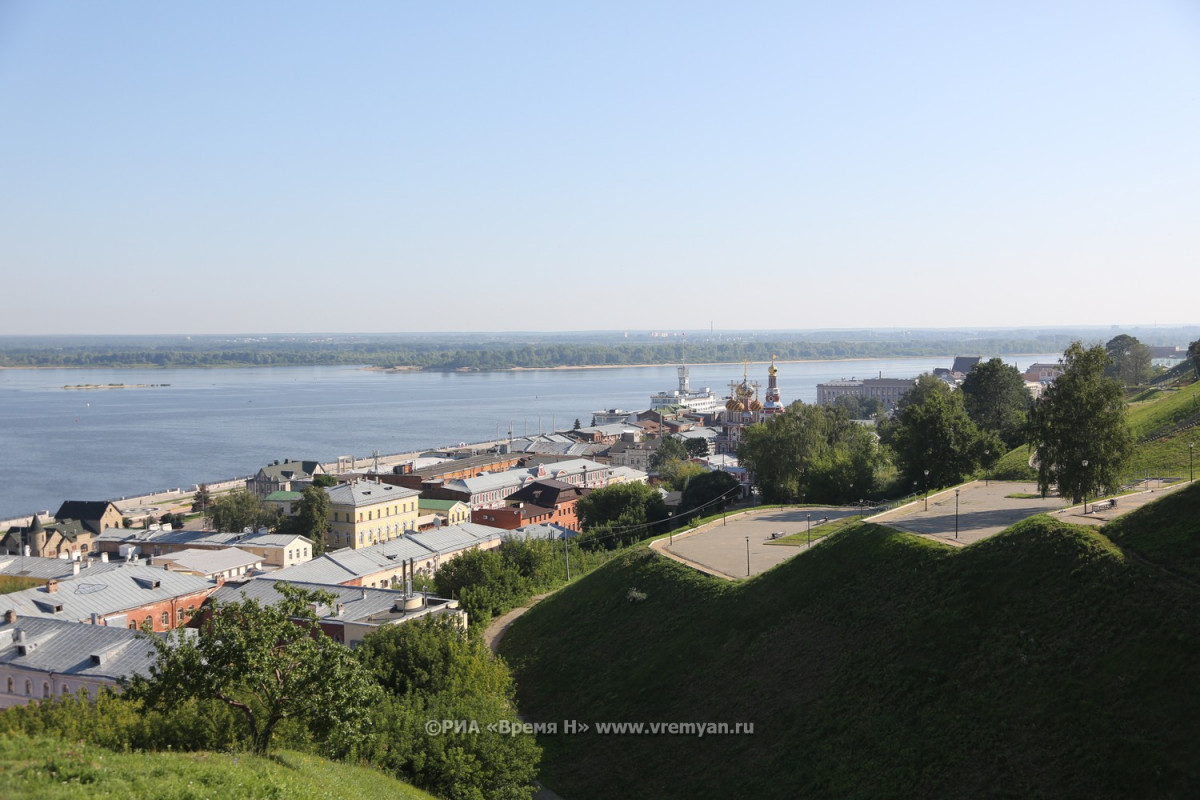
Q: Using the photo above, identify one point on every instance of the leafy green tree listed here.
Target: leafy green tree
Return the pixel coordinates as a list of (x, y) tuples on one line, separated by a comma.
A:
[(936, 434), (1081, 417), (324, 481), (1128, 360), (241, 509), (709, 493), (670, 448), (696, 448), (810, 453), (996, 400), (313, 514), (577, 425), (860, 407), (622, 504), (270, 663), (1194, 354), (483, 583)]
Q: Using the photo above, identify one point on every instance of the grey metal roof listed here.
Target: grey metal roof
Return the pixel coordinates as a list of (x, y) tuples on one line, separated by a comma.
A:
[(210, 562), (453, 538), (104, 592), (630, 474), (72, 649), (542, 531), (359, 604), (367, 493), (45, 568)]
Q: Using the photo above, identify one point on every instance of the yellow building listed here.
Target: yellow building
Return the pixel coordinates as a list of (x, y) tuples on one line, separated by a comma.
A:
[(363, 513)]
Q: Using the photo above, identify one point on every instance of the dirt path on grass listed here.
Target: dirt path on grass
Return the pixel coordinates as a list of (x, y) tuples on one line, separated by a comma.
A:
[(496, 628)]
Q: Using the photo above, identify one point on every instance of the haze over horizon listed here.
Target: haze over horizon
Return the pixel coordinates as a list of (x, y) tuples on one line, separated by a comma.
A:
[(385, 167)]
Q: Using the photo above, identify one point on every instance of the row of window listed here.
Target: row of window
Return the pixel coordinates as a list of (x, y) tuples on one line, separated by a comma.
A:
[(166, 619), (65, 689)]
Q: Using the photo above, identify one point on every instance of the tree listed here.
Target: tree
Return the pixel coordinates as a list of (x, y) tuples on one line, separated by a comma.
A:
[(1128, 360), (625, 512), (483, 584), (313, 513), (670, 448), (201, 498), (996, 400), (323, 481), (432, 669), (1194, 355), (577, 425), (709, 493), (269, 663), (810, 453), (1081, 417), (860, 407), (241, 509), (696, 448), (935, 434)]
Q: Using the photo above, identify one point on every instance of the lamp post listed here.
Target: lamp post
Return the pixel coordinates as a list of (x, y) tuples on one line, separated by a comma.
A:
[(809, 516), (1191, 470), (1085, 486), (987, 466), (956, 513), (747, 556), (926, 490)]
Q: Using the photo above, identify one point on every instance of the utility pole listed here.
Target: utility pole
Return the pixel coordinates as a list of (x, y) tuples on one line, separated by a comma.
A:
[(567, 556), (747, 556)]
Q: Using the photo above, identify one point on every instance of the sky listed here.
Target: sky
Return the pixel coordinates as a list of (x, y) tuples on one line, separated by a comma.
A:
[(404, 166)]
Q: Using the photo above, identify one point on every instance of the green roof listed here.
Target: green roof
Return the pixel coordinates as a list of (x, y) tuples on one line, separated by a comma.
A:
[(280, 496), (440, 505)]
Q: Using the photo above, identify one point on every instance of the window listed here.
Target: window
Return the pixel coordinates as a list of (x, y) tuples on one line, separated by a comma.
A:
[(10, 685), (132, 625), (45, 690), (66, 690), (166, 619), (28, 688), (191, 610), (149, 622)]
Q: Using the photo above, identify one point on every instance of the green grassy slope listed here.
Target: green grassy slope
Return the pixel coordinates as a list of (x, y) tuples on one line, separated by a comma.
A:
[(45, 768), (1166, 532), (1041, 662)]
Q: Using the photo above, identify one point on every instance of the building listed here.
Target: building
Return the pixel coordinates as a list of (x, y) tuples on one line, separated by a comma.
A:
[(543, 502), (888, 391), (355, 611), (126, 596), (277, 550), (94, 515), (367, 512), (225, 564), (492, 490), (1043, 373), (68, 539), (416, 477), (449, 512), (609, 416), (288, 476), (43, 658)]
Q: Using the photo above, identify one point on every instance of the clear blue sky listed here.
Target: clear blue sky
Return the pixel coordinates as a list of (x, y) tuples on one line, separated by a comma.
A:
[(407, 166)]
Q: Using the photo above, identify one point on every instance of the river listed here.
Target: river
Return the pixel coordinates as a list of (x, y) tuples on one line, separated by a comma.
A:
[(192, 425)]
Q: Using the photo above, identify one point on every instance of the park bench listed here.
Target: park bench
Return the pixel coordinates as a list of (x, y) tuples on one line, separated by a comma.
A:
[(1104, 505)]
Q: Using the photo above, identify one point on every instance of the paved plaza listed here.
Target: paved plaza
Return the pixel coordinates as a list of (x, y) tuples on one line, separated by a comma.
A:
[(981, 509)]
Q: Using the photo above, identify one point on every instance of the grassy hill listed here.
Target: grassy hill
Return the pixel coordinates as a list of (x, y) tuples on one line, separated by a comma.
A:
[(1040, 662), (46, 768)]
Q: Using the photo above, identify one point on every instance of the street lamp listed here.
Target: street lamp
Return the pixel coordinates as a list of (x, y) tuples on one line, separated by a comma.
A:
[(1191, 470), (1085, 486), (987, 466), (956, 513), (926, 490), (747, 556), (809, 516)]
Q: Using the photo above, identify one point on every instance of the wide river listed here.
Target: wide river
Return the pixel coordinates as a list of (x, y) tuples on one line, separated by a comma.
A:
[(210, 424)]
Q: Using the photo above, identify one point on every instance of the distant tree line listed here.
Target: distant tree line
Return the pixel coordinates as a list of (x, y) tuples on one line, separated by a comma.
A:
[(490, 355)]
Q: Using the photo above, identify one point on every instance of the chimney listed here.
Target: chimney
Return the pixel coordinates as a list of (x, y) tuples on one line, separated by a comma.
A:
[(95, 618), (362, 593), (74, 567), (10, 616), (104, 558), (52, 586)]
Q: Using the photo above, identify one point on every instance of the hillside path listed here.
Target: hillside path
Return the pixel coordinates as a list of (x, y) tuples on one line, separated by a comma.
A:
[(496, 628)]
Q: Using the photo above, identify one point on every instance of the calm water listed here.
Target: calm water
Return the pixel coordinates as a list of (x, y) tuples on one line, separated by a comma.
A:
[(208, 425)]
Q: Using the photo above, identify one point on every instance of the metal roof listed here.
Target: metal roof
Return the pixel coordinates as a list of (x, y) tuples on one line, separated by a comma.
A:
[(104, 592), (74, 650), (367, 493)]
